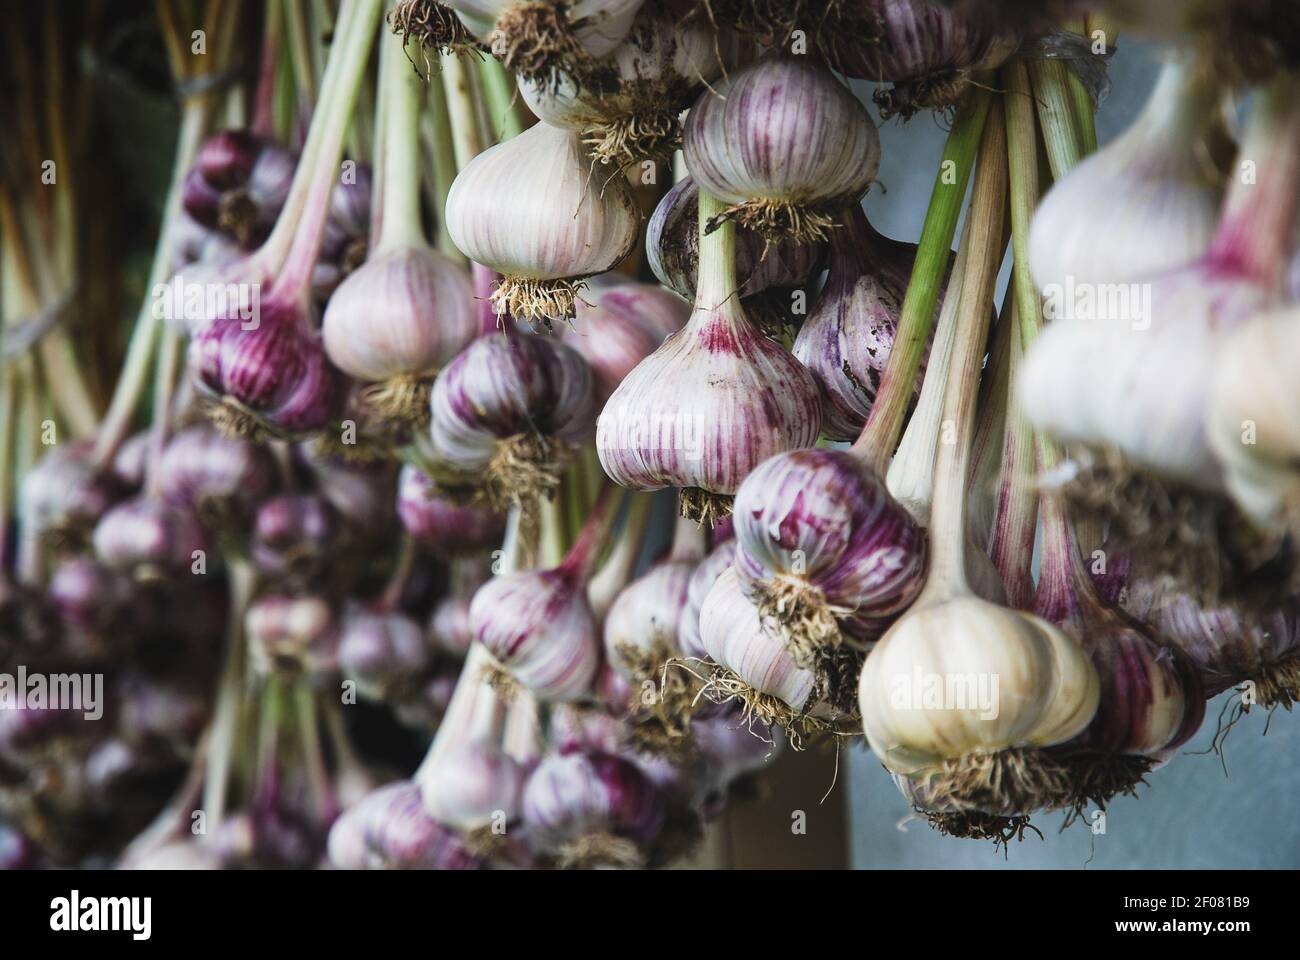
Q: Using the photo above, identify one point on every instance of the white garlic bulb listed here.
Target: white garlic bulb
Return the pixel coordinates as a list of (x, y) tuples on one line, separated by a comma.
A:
[(473, 786), (532, 209)]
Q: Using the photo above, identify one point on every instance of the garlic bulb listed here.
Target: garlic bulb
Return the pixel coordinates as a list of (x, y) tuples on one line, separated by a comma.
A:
[(505, 411), (673, 249), (632, 113), (703, 578), (446, 527), (531, 209), (758, 670), (389, 829), (590, 809), (620, 324), (473, 787), (1251, 423), (220, 478), (292, 635), (711, 403), (383, 652), (65, 494), (925, 50), (534, 38), (822, 547), (150, 539), (784, 145), (1152, 191), (847, 338)]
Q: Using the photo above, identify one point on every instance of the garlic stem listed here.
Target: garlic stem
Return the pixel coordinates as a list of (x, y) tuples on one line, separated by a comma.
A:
[(1056, 113), (616, 572), (716, 281), (320, 157), (436, 133), (300, 53), (880, 435), (225, 718), (586, 550), (397, 187), (688, 541), (458, 85), (952, 466), (499, 95)]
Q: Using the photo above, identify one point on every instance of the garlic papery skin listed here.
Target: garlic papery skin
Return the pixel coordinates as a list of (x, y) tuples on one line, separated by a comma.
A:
[(703, 577), (641, 627), (757, 669), (446, 527), (389, 829), (823, 548), (1152, 192), (925, 49), (847, 338), (221, 479), (382, 651), (1251, 419), (535, 39), (591, 809), (532, 209), (784, 145), (714, 401), (673, 249), (473, 787), (632, 114), (507, 409), (620, 324)]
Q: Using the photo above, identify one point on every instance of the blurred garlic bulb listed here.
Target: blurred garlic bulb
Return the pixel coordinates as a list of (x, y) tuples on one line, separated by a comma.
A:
[(703, 577), (757, 669), (710, 404), (382, 651), (535, 39), (295, 537), (847, 339), (632, 114), (1152, 190), (532, 209), (449, 625), (151, 540), (590, 809), (445, 526), (784, 145), (474, 788), (823, 548), (925, 49), (620, 324), (65, 494), (389, 829), (220, 478), (505, 412), (673, 249), (1251, 419), (292, 635)]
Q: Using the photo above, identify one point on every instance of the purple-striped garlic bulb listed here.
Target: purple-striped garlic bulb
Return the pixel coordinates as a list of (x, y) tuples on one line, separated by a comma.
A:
[(506, 413), (388, 829), (619, 324), (764, 267), (537, 39), (403, 314), (825, 552), (347, 231), (784, 145), (474, 788), (445, 526), (384, 652), (703, 577), (89, 601), (847, 339), (713, 402), (632, 114), (589, 809), (222, 479), (755, 668), (238, 185), (66, 494), (925, 49), (295, 536), (538, 624), (151, 540), (292, 636), (533, 210)]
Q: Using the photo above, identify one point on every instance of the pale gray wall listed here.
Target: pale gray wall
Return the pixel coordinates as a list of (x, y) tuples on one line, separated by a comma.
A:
[(1191, 815)]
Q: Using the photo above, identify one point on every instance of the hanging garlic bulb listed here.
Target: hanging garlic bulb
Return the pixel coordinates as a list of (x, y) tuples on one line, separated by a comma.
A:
[(633, 114), (220, 478), (1251, 421), (847, 338), (618, 325), (703, 578), (403, 314), (924, 49), (673, 249), (151, 540), (714, 401), (535, 38), (589, 809), (1152, 192), (784, 145), (532, 209), (1131, 384), (538, 623), (389, 829), (292, 636), (960, 695), (382, 651), (445, 526)]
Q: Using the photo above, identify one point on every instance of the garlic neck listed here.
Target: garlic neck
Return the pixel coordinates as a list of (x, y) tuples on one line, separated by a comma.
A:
[(616, 572), (396, 200), (717, 259)]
